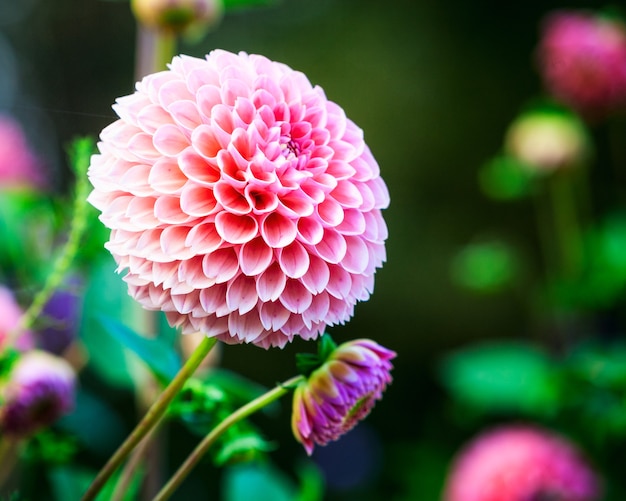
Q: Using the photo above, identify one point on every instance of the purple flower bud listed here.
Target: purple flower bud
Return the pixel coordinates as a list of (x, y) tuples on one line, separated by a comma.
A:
[(39, 391), (341, 392)]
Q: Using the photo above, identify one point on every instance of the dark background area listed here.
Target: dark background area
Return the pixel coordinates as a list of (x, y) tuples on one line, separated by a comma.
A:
[(434, 86)]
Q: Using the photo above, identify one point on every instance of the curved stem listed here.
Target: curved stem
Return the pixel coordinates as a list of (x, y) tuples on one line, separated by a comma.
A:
[(82, 154), (151, 418), (241, 413)]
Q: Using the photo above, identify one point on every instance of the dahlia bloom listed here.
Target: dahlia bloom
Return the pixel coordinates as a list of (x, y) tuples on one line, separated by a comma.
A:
[(19, 167), (520, 463), (242, 202), (10, 315), (582, 60), (340, 393), (39, 391)]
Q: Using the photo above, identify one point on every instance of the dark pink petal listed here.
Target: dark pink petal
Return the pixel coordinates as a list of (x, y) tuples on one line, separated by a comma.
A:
[(294, 260), (271, 284), (236, 229), (255, 256)]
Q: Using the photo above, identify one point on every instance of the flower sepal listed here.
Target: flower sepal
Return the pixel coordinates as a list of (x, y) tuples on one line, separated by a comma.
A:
[(309, 362)]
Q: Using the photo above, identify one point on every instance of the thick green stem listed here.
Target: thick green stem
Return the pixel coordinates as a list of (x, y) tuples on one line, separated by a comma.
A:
[(152, 417), (209, 440)]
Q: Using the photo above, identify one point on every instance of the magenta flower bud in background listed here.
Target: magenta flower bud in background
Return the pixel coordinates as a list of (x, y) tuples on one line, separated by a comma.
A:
[(19, 167), (582, 59), (241, 201), (10, 315), (40, 390), (341, 392), (520, 463)]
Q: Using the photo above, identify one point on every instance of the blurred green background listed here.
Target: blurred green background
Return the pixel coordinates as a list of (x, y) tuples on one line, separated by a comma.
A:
[(434, 86)]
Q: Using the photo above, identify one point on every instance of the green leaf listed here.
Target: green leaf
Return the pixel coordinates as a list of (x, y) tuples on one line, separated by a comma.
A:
[(502, 376), (160, 357), (485, 267), (257, 481), (230, 5), (244, 446), (504, 178)]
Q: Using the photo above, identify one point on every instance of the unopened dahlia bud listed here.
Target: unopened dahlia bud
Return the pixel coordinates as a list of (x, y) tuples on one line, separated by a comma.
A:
[(340, 392), (40, 389), (545, 141), (177, 16), (241, 201), (520, 463), (582, 59)]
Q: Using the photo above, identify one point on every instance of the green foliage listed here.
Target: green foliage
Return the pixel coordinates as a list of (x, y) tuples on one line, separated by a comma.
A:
[(258, 481), (203, 404), (51, 447), (233, 5), (503, 377), (309, 362), (160, 357), (505, 178), (485, 267)]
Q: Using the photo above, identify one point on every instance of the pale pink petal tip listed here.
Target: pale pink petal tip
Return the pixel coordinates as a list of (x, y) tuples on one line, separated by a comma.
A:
[(241, 201)]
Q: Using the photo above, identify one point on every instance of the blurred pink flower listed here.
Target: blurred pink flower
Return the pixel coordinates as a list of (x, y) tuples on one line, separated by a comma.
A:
[(243, 203), (10, 315), (19, 167), (39, 391), (520, 463), (341, 392), (582, 60)]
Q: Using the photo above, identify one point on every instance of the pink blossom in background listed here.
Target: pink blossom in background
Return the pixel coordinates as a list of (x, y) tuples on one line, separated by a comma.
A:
[(39, 391), (241, 201), (19, 167), (340, 393), (582, 60), (10, 315), (520, 463)]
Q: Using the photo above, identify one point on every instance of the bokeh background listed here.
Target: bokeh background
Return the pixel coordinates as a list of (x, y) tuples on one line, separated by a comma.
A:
[(434, 85)]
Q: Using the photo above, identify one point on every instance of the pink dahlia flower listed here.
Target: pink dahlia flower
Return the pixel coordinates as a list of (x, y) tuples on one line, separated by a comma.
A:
[(340, 393), (10, 315), (582, 59), (241, 201), (520, 463), (19, 167), (39, 391)]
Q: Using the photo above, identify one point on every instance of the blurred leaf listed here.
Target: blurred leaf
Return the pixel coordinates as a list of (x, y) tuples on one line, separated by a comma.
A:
[(51, 447), (89, 409), (311, 482), (160, 357), (504, 178), (70, 483), (243, 4), (602, 366), (28, 225), (502, 376), (260, 482), (485, 267), (244, 446)]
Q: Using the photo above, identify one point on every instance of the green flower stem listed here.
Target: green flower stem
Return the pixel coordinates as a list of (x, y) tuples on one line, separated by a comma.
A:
[(567, 228), (8, 457), (151, 418), (80, 212), (209, 440), (165, 49)]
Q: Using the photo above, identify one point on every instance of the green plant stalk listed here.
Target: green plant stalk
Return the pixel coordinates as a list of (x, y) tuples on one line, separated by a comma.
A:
[(566, 225), (151, 418), (241, 413), (68, 253)]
